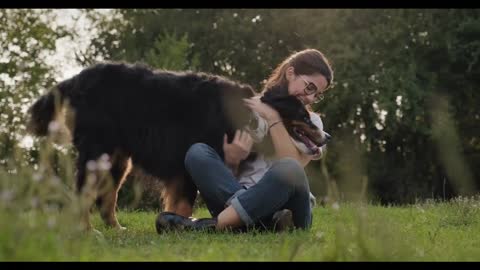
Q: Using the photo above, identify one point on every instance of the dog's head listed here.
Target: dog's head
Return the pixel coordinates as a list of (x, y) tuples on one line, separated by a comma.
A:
[(295, 116), (296, 119)]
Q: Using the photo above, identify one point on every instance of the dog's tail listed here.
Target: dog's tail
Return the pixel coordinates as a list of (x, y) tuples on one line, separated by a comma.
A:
[(45, 115)]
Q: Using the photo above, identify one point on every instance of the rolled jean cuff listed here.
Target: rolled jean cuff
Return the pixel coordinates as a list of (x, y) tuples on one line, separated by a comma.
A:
[(236, 194), (235, 203)]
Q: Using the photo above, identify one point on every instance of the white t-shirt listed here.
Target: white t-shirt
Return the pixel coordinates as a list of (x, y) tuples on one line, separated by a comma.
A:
[(256, 169)]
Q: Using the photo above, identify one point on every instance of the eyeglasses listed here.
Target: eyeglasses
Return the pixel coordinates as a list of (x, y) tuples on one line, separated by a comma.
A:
[(311, 88)]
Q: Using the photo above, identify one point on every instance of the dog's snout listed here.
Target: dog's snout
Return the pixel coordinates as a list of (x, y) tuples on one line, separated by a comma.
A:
[(325, 138), (328, 137)]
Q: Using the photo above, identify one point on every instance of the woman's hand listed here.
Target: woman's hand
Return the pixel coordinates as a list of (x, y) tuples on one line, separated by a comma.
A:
[(264, 110), (238, 150)]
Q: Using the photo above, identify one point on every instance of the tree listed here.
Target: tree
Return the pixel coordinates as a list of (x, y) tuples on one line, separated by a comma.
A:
[(389, 66), (28, 38)]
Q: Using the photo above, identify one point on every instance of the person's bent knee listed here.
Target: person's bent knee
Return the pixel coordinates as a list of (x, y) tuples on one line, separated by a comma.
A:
[(290, 165), (291, 172), (196, 153)]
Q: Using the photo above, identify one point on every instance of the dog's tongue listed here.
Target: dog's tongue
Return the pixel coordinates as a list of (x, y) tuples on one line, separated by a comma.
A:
[(311, 146)]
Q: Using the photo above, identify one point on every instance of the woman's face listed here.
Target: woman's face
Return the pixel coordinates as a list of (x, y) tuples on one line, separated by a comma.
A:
[(307, 88)]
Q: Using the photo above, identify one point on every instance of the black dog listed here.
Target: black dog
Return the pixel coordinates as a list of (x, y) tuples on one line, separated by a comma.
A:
[(120, 114)]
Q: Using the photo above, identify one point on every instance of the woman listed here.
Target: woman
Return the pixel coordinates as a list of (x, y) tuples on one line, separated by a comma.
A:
[(273, 191)]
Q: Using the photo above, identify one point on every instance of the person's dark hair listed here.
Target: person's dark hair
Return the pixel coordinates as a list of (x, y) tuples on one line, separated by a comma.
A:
[(306, 62)]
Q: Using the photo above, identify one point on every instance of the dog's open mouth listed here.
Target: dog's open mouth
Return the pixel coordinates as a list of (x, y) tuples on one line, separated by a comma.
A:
[(309, 136), (311, 143)]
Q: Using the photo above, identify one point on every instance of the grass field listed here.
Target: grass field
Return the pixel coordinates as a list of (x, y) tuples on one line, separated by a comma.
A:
[(39, 213), (423, 232)]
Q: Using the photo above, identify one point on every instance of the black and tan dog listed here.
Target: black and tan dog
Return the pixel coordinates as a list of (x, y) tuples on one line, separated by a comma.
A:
[(121, 115)]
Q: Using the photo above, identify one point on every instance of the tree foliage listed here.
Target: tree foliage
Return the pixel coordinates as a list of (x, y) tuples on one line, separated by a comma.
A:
[(27, 37), (392, 68)]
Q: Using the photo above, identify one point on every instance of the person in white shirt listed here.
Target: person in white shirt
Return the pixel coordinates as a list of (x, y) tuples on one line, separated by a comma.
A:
[(271, 191)]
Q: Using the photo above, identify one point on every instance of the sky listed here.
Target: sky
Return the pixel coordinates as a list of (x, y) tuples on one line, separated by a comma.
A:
[(64, 59)]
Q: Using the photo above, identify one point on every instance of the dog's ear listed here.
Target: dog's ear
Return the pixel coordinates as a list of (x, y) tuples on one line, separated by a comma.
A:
[(289, 107), (273, 94)]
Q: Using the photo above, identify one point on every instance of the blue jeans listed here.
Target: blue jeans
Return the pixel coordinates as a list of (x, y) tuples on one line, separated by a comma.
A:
[(284, 186)]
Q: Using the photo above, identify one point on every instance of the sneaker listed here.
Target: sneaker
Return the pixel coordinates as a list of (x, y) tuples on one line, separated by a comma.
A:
[(282, 220), (168, 221)]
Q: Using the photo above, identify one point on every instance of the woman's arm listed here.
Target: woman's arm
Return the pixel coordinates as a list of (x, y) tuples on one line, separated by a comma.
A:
[(284, 146), (282, 143)]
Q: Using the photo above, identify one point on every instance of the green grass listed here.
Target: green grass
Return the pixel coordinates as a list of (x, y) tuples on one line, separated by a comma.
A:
[(35, 227), (423, 232)]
